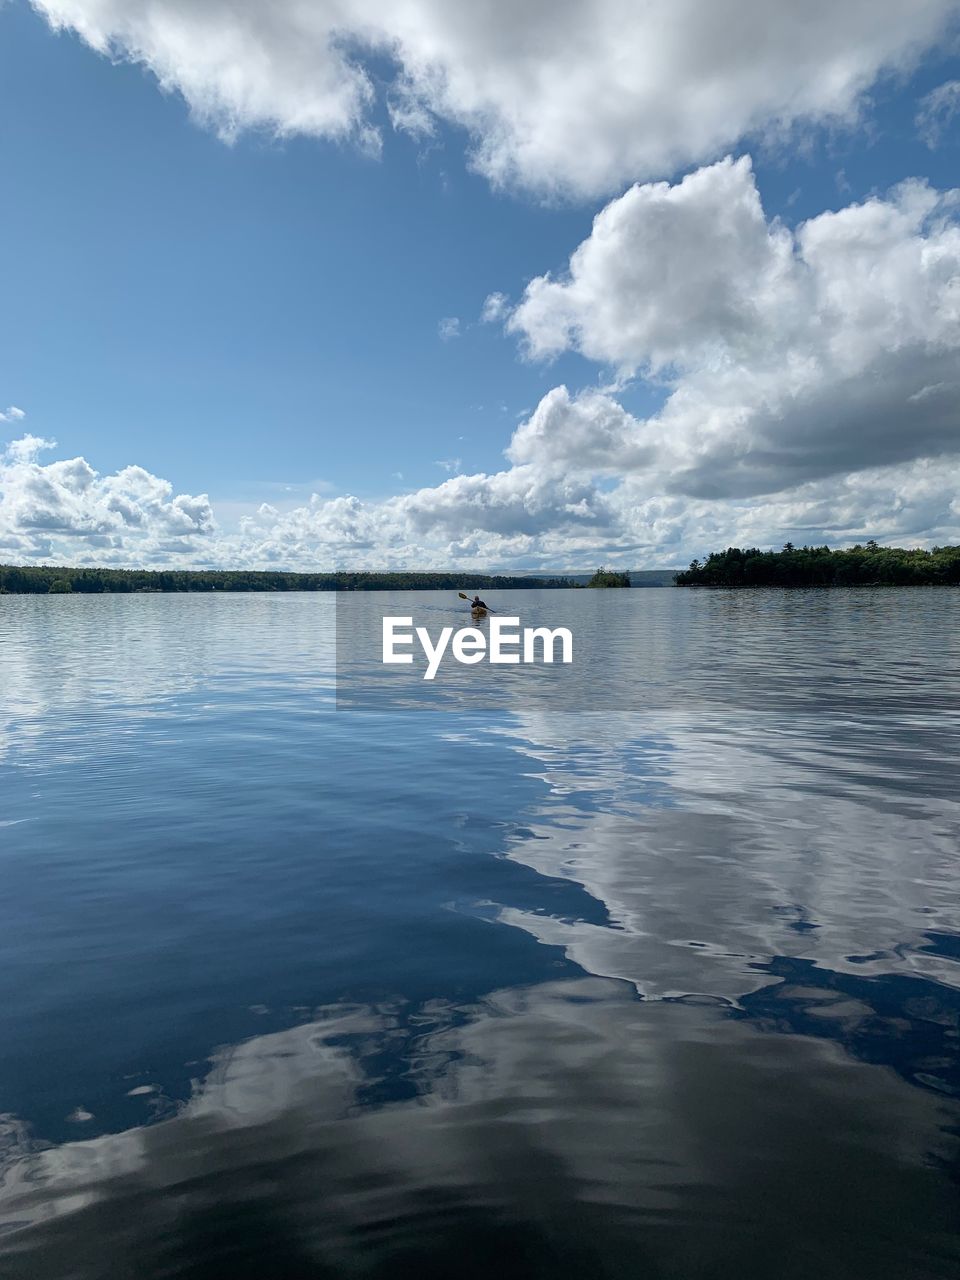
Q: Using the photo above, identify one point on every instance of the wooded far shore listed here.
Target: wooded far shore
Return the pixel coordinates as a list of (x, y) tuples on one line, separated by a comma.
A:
[(869, 565), (44, 580), (63, 580)]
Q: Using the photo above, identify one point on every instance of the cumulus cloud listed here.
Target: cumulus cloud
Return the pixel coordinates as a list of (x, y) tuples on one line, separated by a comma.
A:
[(590, 433), (542, 513), (666, 273), (522, 502), (67, 511), (556, 95), (448, 328), (908, 505), (787, 356), (936, 112), (12, 414)]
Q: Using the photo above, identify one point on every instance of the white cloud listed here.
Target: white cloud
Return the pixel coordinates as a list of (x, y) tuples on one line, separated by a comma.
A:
[(538, 513), (496, 307), (12, 414), (906, 505), (556, 95), (590, 433), (787, 356), (936, 112), (65, 510), (448, 328), (666, 271)]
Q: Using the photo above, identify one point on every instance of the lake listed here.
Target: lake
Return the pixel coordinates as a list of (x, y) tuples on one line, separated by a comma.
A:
[(646, 967)]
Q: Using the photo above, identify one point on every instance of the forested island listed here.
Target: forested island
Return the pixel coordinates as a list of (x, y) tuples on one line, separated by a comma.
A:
[(869, 565), (609, 578), (44, 580)]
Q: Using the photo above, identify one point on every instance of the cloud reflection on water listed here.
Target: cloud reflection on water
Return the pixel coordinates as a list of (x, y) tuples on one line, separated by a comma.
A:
[(565, 1128), (716, 843)]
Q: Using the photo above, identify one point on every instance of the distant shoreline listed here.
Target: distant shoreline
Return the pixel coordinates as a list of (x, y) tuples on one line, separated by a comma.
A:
[(56, 580), (65, 580), (860, 566)]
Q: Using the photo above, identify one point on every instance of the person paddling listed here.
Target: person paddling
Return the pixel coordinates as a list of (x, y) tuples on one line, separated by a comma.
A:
[(477, 605)]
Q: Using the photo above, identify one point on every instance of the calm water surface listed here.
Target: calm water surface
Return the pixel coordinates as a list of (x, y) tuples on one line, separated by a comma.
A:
[(658, 983)]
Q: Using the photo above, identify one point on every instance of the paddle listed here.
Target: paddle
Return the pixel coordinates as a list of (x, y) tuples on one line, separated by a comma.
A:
[(466, 597)]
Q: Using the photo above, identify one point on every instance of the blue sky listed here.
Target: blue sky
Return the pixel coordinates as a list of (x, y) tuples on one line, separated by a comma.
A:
[(194, 305), (259, 319)]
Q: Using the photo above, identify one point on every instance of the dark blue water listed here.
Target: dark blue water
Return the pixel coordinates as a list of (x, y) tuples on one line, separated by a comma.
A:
[(663, 988)]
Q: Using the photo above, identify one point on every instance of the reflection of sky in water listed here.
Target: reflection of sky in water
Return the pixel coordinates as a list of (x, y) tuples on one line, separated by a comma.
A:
[(83, 666), (562, 1127), (671, 982), (718, 842)]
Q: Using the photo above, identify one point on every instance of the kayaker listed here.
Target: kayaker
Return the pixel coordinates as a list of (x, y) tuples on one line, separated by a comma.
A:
[(477, 603)]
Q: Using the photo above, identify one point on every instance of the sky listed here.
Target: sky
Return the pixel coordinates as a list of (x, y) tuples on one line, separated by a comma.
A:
[(413, 284)]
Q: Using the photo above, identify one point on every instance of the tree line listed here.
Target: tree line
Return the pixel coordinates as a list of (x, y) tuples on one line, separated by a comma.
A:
[(46, 580), (869, 565)]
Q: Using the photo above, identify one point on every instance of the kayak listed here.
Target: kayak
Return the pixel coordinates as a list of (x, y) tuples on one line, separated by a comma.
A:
[(477, 614)]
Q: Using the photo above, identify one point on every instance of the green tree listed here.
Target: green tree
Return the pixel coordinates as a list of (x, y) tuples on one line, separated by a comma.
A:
[(609, 578), (858, 566)]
